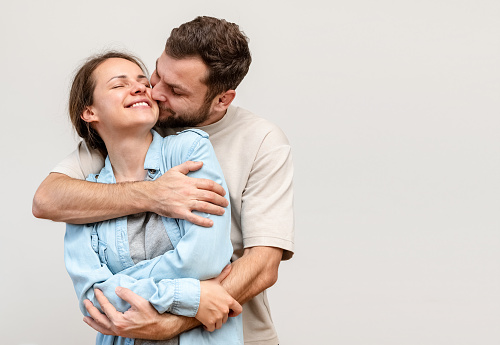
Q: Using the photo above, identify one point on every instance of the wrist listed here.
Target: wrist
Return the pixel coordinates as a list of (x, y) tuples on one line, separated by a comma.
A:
[(171, 325), (141, 196)]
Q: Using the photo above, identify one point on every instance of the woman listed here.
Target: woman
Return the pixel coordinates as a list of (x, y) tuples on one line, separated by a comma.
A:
[(158, 258)]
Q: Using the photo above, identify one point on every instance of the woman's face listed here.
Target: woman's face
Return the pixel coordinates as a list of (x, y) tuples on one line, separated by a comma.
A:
[(122, 99)]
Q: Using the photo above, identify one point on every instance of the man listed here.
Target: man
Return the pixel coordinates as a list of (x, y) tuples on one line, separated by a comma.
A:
[(194, 83)]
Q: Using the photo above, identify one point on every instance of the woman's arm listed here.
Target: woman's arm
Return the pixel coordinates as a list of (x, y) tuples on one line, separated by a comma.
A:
[(177, 296), (87, 272), (201, 253)]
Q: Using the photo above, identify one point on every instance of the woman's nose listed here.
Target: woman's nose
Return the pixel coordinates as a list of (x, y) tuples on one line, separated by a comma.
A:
[(139, 88)]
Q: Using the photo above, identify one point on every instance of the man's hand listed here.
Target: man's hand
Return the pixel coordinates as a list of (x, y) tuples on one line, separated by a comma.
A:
[(141, 321), (216, 305), (176, 195)]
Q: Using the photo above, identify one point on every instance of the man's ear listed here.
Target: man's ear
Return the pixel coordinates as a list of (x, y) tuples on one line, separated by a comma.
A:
[(88, 115), (224, 100)]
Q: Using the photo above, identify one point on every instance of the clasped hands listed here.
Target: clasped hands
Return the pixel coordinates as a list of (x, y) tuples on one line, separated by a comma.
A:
[(142, 321)]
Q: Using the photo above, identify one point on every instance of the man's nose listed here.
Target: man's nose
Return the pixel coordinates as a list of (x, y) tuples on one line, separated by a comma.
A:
[(157, 94)]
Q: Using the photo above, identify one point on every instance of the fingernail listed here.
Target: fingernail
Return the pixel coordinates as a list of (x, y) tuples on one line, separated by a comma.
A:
[(118, 289)]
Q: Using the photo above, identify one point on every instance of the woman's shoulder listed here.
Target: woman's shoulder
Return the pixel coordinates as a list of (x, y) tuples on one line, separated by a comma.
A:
[(180, 147), (190, 134), (185, 140)]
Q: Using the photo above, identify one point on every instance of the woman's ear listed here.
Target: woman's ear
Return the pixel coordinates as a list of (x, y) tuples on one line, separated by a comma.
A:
[(88, 115)]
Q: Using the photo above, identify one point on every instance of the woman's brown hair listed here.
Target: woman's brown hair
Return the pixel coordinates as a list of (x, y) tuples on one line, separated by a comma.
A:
[(81, 96)]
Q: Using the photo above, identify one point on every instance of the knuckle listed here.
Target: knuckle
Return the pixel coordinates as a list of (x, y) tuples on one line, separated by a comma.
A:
[(211, 184), (201, 206), (211, 197), (119, 326)]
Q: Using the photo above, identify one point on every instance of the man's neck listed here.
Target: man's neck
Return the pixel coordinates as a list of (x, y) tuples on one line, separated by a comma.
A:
[(213, 118)]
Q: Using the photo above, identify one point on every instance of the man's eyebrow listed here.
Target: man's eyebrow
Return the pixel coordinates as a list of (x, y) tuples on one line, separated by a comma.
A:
[(170, 85), (177, 86), (156, 68)]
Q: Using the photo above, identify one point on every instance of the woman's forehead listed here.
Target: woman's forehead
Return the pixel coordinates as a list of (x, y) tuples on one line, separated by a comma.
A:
[(117, 67)]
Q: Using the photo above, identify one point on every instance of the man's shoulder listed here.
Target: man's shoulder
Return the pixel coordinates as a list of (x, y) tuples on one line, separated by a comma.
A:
[(248, 122)]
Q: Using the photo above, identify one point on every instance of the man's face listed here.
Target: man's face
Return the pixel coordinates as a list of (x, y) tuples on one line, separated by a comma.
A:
[(179, 89)]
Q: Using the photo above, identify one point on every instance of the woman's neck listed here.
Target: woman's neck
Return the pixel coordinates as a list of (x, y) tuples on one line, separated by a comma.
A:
[(127, 155)]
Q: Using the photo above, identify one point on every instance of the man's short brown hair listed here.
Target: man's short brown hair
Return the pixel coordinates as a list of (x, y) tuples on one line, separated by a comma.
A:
[(220, 44)]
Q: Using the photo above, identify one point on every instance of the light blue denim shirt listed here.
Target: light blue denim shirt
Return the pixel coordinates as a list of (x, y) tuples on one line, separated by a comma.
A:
[(97, 255)]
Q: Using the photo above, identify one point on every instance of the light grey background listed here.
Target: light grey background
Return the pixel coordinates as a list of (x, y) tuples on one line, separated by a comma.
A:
[(392, 109)]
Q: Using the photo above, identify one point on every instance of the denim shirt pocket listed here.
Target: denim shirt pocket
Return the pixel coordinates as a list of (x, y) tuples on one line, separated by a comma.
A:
[(102, 253), (99, 247)]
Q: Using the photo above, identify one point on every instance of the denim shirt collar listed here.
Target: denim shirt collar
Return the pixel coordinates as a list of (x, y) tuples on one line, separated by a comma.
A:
[(153, 156)]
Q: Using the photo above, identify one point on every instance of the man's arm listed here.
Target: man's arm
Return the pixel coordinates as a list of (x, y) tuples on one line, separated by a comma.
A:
[(254, 272), (142, 321), (175, 195)]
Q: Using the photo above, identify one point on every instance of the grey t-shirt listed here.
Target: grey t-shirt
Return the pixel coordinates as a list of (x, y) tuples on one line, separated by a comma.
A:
[(147, 239)]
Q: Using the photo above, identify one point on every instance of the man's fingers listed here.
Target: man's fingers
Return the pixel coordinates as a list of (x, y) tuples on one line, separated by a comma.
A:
[(210, 197), (218, 324), (132, 298), (96, 315), (209, 208), (209, 328), (106, 307), (91, 322), (187, 167), (198, 220), (224, 320), (206, 184)]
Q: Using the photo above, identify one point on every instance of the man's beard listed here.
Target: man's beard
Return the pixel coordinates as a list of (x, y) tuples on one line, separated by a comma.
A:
[(177, 120)]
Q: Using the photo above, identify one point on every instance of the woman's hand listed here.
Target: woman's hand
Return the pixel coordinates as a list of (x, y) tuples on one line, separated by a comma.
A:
[(216, 304)]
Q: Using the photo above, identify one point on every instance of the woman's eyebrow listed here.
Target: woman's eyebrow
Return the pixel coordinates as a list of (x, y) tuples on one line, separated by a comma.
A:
[(117, 77), (123, 76)]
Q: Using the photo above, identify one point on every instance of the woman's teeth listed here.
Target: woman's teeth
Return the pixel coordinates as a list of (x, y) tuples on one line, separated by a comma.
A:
[(139, 104)]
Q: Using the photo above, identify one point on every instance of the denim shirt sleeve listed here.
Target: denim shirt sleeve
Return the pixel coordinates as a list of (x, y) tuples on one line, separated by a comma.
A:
[(201, 253), (87, 272)]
